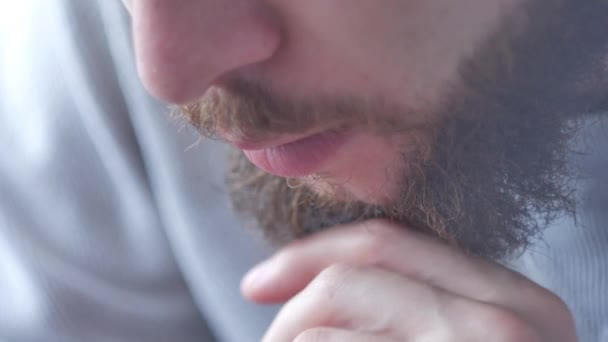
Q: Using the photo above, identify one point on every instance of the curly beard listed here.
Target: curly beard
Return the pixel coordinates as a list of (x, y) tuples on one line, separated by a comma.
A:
[(490, 174), (488, 194)]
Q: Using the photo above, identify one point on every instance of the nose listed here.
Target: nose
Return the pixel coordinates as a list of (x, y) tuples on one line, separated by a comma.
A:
[(183, 46)]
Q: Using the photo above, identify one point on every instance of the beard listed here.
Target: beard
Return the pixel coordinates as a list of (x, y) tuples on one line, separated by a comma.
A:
[(486, 175), (486, 186)]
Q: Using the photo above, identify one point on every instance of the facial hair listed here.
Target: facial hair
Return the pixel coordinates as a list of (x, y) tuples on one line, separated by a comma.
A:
[(492, 171)]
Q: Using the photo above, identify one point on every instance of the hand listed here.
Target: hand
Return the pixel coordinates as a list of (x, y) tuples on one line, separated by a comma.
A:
[(379, 282)]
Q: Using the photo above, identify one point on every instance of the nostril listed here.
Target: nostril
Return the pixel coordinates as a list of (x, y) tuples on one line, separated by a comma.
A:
[(182, 47)]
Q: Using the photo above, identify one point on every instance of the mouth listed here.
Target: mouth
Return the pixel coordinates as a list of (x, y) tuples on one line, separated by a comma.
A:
[(295, 156)]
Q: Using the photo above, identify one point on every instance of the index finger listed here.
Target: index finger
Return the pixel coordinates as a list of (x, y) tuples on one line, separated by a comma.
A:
[(384, 244)]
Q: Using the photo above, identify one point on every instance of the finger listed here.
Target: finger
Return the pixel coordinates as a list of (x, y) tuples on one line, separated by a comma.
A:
[(383, 244), (366, 300), (327, 334), (381, 303)]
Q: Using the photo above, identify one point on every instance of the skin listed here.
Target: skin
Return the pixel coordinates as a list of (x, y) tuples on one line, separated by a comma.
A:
[(275, 43), (351, 283)]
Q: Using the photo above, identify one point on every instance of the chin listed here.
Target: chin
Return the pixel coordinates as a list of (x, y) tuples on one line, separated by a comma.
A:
[(370, 191), (369, 171)]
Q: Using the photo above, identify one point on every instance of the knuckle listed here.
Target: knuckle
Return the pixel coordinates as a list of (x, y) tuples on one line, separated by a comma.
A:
[(325, 287), (333, 275), (323, 298)]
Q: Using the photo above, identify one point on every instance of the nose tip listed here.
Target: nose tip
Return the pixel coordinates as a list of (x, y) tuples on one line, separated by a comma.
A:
[(183, 46)]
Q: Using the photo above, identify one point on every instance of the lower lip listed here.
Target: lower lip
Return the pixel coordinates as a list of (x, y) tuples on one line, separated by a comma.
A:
[(299, 158)]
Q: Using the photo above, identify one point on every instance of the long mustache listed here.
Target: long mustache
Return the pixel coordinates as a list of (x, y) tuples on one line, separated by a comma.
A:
[(249, 111)]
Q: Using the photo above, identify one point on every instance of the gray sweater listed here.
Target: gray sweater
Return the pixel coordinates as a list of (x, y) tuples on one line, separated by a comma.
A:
[(114, 221)]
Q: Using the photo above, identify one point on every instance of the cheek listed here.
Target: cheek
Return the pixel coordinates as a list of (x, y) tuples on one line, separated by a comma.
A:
[(338, 47), (407, 52)]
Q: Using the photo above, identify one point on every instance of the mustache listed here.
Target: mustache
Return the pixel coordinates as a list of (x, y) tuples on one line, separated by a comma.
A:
[(250, 111)]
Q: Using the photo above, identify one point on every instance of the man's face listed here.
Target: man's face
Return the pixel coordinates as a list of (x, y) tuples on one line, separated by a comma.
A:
[(402, 53), (399, 109)]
